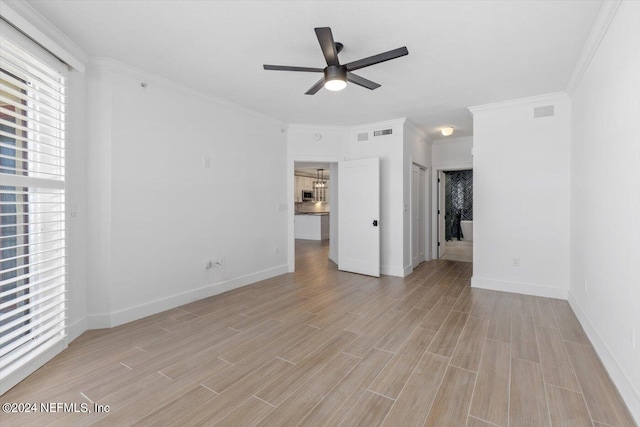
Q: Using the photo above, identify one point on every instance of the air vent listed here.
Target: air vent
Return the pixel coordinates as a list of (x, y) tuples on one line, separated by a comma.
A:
[(364, 136), (382, 132), (546, 111)]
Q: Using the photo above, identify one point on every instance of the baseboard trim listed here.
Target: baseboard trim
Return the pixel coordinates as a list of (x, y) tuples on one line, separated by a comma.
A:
[(408, 269), (519, 288), (157, 306), (629, 394), (392, 271), (75, 329)]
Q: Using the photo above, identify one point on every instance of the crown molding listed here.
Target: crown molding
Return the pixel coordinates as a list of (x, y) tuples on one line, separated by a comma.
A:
[(538, 99), (599, 28), (451, 141), (385, 123), (117, 67), (316, 128), (417, 130), (24, 17)]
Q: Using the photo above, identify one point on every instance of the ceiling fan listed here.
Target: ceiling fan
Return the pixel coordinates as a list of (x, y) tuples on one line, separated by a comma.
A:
[(336, 76)]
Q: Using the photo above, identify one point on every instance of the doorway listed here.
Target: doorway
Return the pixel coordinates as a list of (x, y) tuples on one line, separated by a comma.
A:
[(314, 211), (455, 215)]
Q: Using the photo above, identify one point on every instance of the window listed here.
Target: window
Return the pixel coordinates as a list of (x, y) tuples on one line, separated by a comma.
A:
[(32, 207)]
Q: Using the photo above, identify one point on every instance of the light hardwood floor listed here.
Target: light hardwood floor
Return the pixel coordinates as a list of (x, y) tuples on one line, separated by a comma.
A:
[(326, 348)]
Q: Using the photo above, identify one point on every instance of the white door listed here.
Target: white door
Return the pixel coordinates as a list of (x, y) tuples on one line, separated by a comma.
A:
[(441, 212), (358, 227), (417, 215)]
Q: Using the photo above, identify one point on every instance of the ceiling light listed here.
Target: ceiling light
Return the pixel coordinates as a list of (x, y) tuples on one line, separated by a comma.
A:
[(335, 85), (447, 131), (335, 77)]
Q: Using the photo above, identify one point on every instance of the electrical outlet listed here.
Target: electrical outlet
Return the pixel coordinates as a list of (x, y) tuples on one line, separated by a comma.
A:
[(206, 162), (516, 262), (208, 264), (219, 263)]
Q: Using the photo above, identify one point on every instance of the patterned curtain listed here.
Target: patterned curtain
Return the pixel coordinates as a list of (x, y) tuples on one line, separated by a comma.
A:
[(458, 187)]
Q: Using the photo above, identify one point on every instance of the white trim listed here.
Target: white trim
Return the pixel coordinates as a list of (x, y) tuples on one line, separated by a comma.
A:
[(423, 135), (389, 270), (129, 314), (599, 28), (451, 141), (381, 125), (538, 99), (317, 128), (29, 21), (451, 167), (33, 365), (148, 77), (624, 384), (519, 288), (75, 329)]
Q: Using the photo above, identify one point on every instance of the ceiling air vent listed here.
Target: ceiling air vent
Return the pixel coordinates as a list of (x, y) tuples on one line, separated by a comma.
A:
[(546, 111), (382, 132), (364, 136)]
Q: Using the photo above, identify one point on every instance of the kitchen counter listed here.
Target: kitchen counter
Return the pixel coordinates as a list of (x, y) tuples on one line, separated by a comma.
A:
[(311, 226)]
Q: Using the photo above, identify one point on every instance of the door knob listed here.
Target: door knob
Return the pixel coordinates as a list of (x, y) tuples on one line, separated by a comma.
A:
[(375, 222)]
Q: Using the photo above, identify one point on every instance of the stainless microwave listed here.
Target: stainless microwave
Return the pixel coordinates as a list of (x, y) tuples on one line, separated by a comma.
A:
[(307, 196)]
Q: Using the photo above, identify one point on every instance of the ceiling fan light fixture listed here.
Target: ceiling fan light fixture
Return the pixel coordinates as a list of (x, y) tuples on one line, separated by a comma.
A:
[(447, 131), (335, 77), (335, 85)]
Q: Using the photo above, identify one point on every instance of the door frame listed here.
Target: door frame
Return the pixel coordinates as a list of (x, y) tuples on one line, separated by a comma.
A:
[(333, 218), (434, 199), (427, 212)]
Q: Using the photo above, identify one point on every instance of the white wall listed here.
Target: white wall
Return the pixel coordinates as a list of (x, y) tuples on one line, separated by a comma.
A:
[(158, 214), (521, 197), (389, 148), (446, 154), (333, 144), (452, 153), (605, 201)]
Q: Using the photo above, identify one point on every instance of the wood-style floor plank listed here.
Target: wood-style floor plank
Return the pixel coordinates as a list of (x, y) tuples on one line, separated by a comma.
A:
[(527, 401), (446, 339), (567, 407), (322, 347), (413, 405), (556, 365), (523, 338), (394, 376), (451, 405), (601, 396), (469, 349), (292, 410), (349, 390), (491, 395), (370, 411)]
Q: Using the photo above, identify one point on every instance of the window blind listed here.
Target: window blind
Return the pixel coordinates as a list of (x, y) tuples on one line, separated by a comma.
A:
[(32, 208)]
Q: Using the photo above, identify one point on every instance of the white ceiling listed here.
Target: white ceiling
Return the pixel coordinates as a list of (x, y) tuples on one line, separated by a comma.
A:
[(461, 53)]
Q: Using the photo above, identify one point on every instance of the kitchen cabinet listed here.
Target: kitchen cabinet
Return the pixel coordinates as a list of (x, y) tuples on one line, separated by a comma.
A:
[(301, 183), (311, 226)]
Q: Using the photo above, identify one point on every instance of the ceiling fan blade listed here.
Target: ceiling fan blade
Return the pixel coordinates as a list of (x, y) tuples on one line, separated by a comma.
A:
[(325, 37), (376, 59), (361, 81), (292, 68), (316, 87)]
